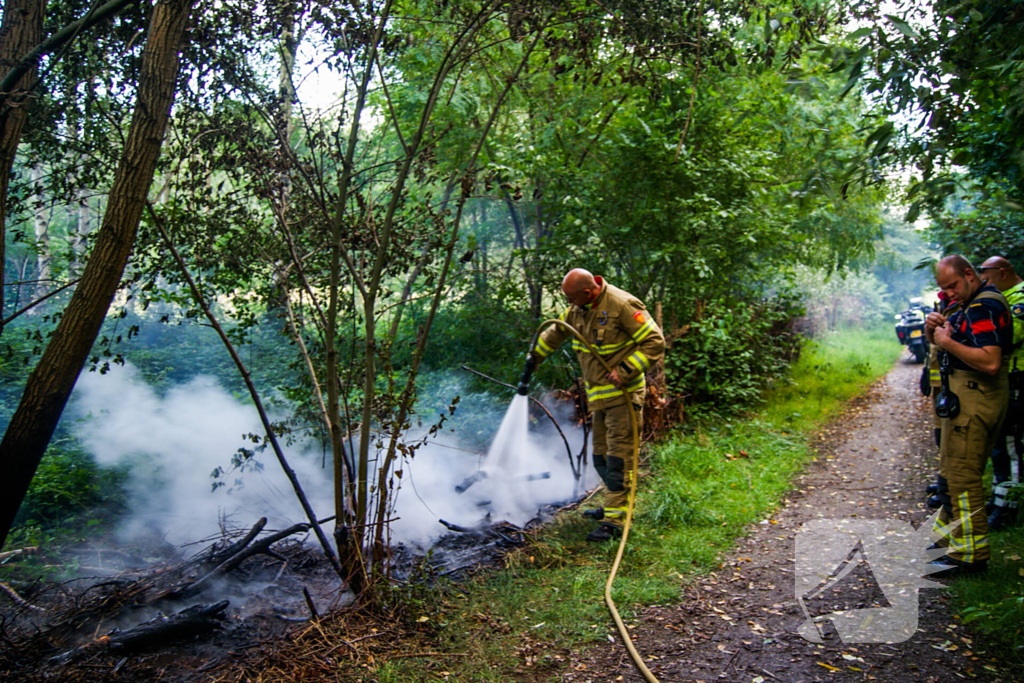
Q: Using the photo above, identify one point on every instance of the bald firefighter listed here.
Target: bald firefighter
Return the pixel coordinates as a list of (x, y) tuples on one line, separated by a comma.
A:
[(975, 343), (625, 335), (1007, 453)]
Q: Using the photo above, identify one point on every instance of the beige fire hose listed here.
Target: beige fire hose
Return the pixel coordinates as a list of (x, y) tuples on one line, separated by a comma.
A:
[(637, 659)]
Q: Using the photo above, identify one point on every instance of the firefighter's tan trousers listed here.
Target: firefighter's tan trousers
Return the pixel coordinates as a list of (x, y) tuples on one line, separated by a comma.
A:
[(967, 441), (613, 456)]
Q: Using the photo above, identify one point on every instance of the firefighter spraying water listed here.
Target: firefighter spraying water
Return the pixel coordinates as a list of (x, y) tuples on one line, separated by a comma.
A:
[(616, 342)]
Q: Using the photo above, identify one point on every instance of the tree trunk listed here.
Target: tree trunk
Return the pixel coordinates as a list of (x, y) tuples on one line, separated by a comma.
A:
[(21, 30), (41, 222), (80, 218), (50, 384)]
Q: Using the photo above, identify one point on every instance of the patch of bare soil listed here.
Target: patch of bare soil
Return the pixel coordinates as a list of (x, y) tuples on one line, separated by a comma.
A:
[(739, 624)]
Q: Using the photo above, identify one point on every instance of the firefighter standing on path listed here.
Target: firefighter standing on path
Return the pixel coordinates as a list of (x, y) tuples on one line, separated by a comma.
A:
[(977, 341), (1000, 274), (619, 327)]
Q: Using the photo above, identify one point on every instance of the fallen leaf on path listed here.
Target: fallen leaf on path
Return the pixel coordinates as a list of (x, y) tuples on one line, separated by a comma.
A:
[(830, 668)]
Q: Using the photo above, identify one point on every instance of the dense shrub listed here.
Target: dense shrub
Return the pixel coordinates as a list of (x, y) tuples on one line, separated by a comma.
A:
[(725, 358), (68, 485)]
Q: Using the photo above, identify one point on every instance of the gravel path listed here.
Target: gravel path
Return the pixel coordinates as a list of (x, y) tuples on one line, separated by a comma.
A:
[(739, 623)]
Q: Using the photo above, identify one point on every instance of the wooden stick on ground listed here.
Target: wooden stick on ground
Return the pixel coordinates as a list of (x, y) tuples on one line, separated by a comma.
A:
[(17, 599)]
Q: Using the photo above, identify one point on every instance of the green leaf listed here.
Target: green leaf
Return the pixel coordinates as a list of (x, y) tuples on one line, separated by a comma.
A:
[(860, 33), (903, 27), (913, 213)]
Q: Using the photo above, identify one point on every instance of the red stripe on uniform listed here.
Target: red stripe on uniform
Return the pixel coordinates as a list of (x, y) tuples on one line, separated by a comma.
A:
[(982, 326)]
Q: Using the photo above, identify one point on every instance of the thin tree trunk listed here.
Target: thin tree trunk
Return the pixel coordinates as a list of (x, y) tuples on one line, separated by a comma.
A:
[(21, 30), (41, 222), (532, 289), (405, 403), (79, 240), (253, 394), (53, 379), (349, 544)]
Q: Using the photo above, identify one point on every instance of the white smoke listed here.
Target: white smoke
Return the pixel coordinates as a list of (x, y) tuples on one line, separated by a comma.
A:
[(507, 488), (175, 441)]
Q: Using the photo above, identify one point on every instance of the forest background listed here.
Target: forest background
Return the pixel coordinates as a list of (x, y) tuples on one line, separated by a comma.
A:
[(331, 206)]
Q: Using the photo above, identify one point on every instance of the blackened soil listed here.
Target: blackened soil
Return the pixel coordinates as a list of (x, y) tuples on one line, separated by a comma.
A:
[(739, 623)]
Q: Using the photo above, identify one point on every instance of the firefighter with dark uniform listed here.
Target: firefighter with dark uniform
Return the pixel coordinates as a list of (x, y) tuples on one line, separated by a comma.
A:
[(1007, 452), (976, 342), (625, 335)]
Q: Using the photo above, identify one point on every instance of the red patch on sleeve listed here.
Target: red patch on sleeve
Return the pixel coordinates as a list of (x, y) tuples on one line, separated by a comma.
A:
[(639, 316), (982, 326)]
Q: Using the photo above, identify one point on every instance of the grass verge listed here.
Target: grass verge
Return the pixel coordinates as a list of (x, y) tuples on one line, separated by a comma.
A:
[(702, 487)]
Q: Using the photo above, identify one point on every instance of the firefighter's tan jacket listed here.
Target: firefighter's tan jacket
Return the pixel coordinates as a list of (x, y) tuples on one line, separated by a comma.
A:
[(618, 325)]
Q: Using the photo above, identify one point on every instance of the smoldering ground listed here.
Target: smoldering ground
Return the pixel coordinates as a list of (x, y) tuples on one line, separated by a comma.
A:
[(173, 441)]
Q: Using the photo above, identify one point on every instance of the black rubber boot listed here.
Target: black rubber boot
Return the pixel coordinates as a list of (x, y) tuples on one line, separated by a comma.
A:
[(957, 568), (597, 514), (605, 532), (1002, 518), (934, 502), (932, 489)]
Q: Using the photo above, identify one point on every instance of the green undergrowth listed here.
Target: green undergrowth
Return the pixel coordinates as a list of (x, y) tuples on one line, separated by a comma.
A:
[(71, 499), (702, 487)]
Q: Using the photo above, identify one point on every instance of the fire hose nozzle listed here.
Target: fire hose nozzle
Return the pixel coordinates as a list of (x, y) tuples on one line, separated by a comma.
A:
[(524, 381)]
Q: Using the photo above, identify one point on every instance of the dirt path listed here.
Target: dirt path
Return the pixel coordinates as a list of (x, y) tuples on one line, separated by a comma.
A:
[(739, 624)]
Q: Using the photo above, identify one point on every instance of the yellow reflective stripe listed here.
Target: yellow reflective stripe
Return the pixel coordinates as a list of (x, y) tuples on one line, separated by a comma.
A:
[(602, 349), (602, 391), (564, 313), (639, 361), (543, 348), (934, 375), (644, 331), (611, 348), (970, 543), (614, 513), (636, 384)]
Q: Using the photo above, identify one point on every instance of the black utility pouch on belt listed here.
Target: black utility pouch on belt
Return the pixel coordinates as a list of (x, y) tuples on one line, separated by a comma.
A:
[(947, 404)]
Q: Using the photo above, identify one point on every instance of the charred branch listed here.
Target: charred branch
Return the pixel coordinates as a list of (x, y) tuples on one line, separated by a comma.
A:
[(188, 623), (17, 599), (220, 556), (259, 547)]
